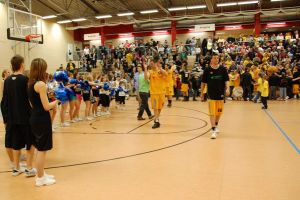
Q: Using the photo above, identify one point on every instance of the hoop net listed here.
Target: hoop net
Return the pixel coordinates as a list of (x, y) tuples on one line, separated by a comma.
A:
[(33, 38)]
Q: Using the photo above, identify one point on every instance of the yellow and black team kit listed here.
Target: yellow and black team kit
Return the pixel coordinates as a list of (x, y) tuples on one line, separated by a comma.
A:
[(157, 89), (216, 82)]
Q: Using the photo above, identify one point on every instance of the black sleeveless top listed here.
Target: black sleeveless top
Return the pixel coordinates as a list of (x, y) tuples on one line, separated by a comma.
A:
[(39, 114)]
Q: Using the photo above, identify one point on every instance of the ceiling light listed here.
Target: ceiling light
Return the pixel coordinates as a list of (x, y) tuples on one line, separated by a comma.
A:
[(196, 7), (276, 23), (160, 32), (125, 14), (148, 11), (247, 2), (49, 17), (276, 0), (103, 16), (64, 21), (226, 4), (125, 34), (78, 20), (177, 8)]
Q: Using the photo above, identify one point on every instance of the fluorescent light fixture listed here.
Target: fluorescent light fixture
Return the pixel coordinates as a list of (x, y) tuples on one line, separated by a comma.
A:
[(125, 34), (103, 16), (196, 7), (177, 8), (233, 27), (64, 21), (226, 4), (125, 14), (79, 20), (276, 23), (247, 2), (49, 17), (160, 32), (276, 0), (148, 11)]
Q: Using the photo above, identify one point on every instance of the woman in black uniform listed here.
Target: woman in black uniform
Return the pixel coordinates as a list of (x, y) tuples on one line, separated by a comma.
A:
[(40, 119)]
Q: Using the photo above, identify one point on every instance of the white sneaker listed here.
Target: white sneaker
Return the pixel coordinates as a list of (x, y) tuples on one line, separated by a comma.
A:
[(53, 130), (49, 176), (213, 135), (44, 181), (65, 124), (16, 172), (287, 97), (89, 119), (79, 119), (30, 172), (73, 121), (217, 130)]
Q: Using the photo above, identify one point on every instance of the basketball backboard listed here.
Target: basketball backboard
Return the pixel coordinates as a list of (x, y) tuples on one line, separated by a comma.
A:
[(24, 26)]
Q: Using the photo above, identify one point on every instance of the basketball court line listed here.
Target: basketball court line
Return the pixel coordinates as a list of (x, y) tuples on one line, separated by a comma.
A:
[(123, 157), (137, 154), (290, 141)]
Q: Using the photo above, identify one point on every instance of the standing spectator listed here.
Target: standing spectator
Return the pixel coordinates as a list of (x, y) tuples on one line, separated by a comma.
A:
[(273, 83), (246, 83), (40, 119), (283, 87), (16, 113), (71, 67), (264, 91)]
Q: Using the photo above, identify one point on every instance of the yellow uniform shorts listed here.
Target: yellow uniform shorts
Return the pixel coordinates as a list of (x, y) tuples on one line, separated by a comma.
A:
[(215, 107), (184, 87), (169, 91), (157, 101), (295, 89)]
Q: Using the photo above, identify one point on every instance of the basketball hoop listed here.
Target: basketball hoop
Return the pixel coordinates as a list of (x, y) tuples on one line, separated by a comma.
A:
[(35, 38)]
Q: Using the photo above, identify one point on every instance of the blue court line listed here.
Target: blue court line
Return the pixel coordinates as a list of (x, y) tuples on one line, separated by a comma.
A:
[(283, 132)]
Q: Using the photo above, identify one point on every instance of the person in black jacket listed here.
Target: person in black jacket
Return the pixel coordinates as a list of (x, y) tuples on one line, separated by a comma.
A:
[(16, 113), (246, 83), (273, 84)]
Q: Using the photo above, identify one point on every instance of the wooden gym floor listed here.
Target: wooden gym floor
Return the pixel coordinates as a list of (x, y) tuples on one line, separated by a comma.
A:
[(255, 157)]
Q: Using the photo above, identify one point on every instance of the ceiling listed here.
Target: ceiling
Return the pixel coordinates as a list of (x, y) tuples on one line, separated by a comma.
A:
[(72, 9)]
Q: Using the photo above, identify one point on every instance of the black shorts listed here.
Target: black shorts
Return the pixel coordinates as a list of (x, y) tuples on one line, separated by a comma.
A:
[(18, 137), (104, 99), (95, 93), (122, 100), (86, 96), (42, 133)]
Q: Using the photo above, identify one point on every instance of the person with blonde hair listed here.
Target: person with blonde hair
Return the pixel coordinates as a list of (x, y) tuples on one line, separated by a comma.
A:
[(40, 119)]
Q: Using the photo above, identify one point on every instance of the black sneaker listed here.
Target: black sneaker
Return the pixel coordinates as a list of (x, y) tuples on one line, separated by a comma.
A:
[(169, 105), (140, 118), (156, 125)]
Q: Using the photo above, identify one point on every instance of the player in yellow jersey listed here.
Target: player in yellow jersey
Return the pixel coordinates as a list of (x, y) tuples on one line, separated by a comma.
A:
[(156, 75), (169, 84)]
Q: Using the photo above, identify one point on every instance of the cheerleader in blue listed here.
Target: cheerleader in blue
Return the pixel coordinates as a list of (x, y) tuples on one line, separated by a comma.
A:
[(105, 91), (61, 77), (121, 93)]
